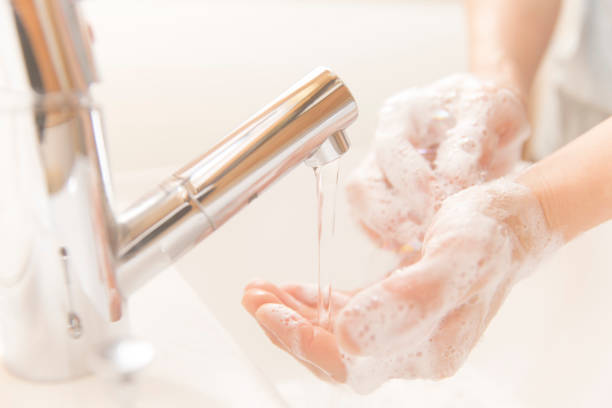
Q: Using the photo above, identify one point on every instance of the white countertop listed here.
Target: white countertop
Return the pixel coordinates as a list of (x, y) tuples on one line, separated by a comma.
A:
[(197, 364)]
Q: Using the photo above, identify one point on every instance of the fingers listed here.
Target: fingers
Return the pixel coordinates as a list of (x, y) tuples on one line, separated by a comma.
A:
[(468, 259), (259, 291), (510, 128), (498, 298), (387, 217), (475, 131), (464, 155), (407, 170), (304, 340), (252, 300), (486, 139), (316, 371), (374, 236), (508, 118), (407, 135), (457, 334), (308, 295), (398, 312), (417, 115)]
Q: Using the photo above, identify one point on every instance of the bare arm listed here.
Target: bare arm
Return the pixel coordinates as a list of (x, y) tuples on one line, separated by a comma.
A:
[(507, 41), (574, 184), (508, 38)]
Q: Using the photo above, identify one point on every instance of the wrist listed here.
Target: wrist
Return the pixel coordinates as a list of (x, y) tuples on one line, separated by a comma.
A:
[(534, 180), (505, 75), (503, 72), (574, 184)]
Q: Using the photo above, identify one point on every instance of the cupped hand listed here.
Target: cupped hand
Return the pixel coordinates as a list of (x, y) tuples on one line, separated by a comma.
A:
[(431, 142), (422, 320), (288, 316)]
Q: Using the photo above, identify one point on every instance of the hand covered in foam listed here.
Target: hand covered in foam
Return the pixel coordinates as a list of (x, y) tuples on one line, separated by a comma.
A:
[(422, 320), (430, 143)]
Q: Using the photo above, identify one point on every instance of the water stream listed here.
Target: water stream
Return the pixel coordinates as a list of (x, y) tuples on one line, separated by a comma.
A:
[(327, 179)]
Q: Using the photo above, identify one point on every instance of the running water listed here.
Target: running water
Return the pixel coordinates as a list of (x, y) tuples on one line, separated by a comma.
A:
[(327, 178)]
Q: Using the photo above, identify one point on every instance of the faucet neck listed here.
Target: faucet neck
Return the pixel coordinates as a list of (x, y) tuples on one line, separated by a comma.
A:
[(55, 43), (304, 124)]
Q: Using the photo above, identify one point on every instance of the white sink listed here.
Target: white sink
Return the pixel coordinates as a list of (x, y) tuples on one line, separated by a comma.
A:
[(197, 364)]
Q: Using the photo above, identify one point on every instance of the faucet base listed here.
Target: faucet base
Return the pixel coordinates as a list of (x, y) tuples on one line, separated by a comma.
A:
[(49, 328)]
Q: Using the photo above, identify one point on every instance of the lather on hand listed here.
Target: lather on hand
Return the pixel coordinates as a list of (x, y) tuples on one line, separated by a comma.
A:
[(430, 143), (422, 320)]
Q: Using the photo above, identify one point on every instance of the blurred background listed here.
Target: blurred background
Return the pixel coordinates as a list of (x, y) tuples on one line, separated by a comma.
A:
[(179, 75)]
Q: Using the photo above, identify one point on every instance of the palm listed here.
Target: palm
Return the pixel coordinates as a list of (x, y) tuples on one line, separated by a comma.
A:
[(289, 318)]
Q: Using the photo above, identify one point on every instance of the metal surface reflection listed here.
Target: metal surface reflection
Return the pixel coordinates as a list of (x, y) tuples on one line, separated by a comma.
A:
[(85, 257)]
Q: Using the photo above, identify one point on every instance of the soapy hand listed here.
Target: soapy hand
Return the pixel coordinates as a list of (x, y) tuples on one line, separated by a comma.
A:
[(422, 320), (430, 143)]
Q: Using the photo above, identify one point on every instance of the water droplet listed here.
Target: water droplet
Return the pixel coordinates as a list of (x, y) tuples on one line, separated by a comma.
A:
[(441, 115)]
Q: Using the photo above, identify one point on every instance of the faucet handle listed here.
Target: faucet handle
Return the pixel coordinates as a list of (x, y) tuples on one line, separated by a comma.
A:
[(334, 147)]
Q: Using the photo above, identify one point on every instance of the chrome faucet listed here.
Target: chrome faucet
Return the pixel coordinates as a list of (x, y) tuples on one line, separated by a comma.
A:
[(84, 258)]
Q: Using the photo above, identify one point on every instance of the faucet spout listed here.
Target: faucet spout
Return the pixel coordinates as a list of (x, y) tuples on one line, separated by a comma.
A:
[(305, 124), (64, 290)]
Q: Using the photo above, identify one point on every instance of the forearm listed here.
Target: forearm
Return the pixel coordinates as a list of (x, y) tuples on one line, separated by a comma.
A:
[(574, 184), (507, 38)]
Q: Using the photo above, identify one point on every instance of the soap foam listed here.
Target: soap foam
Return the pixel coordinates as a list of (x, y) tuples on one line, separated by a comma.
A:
[(430, 143), (423, 320), (291, 322)]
